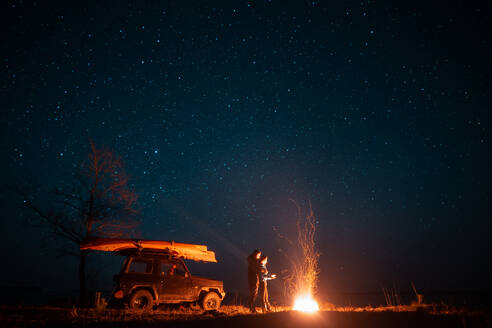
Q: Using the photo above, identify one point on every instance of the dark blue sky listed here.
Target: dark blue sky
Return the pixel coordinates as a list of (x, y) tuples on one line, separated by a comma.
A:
[(377, 112)]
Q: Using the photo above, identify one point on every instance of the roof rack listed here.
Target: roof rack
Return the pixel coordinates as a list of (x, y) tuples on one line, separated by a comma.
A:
[(148, 252)]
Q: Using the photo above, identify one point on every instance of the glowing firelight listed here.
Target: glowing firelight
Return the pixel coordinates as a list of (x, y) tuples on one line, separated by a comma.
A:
[(304, 274), (306, 303)]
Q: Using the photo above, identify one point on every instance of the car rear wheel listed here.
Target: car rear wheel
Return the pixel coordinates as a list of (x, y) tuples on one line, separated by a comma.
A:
[(141, 300), (211, 301)]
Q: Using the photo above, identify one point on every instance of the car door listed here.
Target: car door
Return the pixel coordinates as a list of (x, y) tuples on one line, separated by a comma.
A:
[(176, 284), (138, 271)]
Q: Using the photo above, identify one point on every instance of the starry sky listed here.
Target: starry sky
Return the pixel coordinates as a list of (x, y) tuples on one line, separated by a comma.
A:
[(375, 111)]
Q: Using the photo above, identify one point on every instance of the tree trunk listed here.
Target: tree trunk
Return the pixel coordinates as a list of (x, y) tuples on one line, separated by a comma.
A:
[(82, 281)]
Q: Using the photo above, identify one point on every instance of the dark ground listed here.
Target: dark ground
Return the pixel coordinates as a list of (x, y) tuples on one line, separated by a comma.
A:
[(39, 317)]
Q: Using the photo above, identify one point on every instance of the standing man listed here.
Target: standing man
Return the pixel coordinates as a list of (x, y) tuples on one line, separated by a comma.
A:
[(253, 278), (264, 277)]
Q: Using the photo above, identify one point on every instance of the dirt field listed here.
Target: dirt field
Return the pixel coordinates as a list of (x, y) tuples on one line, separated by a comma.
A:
[(232, 317)]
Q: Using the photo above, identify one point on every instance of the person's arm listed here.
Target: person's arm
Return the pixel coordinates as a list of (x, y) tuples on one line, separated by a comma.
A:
[(265, 275)]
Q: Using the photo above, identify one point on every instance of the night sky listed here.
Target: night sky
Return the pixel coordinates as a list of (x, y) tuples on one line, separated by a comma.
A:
[(377, 112)]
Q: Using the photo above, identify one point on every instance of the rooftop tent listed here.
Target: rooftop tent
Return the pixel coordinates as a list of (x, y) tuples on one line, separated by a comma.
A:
[(186, 251)]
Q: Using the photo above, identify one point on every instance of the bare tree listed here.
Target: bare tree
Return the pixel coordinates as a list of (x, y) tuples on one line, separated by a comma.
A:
[(100, 204)]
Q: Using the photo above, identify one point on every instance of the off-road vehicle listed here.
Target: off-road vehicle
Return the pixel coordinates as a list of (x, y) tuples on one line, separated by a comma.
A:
[(154, 273)]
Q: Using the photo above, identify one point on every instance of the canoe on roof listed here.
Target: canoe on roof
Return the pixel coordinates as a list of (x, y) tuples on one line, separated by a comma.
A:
[(186, 251)]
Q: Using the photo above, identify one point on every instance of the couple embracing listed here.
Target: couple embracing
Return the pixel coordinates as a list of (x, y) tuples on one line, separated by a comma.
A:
[(257, 277)]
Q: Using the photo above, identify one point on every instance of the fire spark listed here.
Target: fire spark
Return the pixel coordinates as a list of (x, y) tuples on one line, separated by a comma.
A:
[(306, 303), (300, 283)]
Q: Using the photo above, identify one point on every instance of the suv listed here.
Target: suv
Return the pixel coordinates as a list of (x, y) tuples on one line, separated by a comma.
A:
[(150, 278)]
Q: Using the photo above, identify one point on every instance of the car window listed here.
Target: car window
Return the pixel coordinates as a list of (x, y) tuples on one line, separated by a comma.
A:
[(171, 269), (140, 266)]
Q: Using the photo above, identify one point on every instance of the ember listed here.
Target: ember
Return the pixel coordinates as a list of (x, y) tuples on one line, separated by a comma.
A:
[(305, 270), (306, 303)]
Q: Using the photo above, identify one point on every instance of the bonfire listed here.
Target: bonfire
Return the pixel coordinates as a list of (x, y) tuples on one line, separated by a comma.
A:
[(303, 279)]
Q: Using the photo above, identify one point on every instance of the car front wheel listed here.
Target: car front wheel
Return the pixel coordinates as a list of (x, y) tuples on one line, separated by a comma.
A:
[(210, 301), (141, 300)]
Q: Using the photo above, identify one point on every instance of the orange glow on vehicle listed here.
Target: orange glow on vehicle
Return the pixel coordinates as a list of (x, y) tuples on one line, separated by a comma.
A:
[(118, 294)]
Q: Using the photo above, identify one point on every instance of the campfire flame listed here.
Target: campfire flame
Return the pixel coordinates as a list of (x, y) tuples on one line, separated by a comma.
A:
[(306, 303), (304, 274)]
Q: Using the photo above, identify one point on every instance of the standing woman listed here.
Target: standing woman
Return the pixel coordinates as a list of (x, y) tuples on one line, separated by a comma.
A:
[(264, 277), (253, 278)]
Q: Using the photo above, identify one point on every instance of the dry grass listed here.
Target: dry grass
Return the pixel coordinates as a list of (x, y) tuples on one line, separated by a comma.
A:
[(16, 316), (435, 309), (121, 315)]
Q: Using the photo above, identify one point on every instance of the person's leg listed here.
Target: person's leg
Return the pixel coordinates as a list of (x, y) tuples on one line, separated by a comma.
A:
[(267, 301), (264, 297), (253, 293), (251, 299)]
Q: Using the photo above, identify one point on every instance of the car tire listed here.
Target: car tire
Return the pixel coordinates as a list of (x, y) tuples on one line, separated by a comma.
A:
[(210, 302), (141, 300)]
